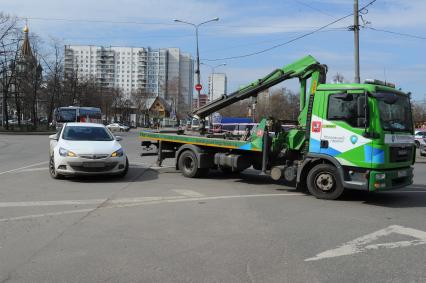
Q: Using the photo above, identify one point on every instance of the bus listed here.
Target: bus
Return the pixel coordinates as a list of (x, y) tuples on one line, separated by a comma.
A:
[(235, 126), (76, 114)]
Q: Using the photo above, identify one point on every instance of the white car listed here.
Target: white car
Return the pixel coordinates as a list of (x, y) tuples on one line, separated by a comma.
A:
[(86, 149), (118, 127), (420, 138)]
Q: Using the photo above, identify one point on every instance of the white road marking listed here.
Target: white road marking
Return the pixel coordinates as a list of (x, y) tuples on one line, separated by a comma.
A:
[(51, 203), (28, 166), (133, 202), (31, 170), (188, 193), (31, 216), (361, 244)]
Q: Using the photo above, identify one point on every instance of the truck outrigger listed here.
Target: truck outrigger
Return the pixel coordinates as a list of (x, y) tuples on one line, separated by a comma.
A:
[(347, 136)]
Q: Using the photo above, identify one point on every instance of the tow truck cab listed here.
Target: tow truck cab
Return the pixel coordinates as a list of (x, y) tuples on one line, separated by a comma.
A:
[(366, 130)]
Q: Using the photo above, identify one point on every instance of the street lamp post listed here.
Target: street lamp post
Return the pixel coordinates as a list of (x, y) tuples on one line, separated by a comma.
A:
[(197, 71)]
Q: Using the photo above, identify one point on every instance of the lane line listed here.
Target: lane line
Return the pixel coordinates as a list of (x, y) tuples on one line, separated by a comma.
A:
[(176, 200), (188, 193), (32, 216), (25, 167), (50, 203), (127, 203), (31, 170)]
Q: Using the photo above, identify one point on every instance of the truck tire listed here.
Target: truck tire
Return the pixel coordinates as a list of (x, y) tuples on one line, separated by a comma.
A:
[(324, 182), (188, 165)]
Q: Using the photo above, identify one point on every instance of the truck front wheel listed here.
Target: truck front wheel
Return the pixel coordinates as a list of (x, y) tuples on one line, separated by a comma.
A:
[(324, 182), (188, 165)]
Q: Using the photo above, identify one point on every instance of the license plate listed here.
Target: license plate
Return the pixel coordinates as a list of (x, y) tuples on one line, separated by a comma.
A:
[(402, 152), (402, 173), (94, 164)]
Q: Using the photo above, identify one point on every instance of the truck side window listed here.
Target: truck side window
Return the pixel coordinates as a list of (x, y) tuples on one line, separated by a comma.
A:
[(345, 107)]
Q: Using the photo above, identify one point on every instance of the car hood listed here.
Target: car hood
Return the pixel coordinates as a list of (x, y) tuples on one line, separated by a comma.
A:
[(91, 147)]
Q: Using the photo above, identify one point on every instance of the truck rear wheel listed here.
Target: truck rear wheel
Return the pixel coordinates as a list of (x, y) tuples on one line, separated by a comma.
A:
[(324, 182), (188, 165)]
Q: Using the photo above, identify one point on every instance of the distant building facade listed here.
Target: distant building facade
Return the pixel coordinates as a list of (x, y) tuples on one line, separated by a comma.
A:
[(204, 99), (163, 72), (217, 85)]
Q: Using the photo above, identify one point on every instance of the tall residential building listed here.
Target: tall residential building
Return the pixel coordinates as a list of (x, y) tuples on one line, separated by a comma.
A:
[(217, 85), (164, 72)]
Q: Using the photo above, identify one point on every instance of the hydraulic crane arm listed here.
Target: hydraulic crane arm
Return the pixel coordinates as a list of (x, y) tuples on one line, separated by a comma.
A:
[(303, 69)]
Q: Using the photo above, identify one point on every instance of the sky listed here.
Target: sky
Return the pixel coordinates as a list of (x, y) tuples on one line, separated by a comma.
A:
[(244, 27)]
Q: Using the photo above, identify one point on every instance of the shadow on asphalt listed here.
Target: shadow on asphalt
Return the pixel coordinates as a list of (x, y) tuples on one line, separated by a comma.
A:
[(414, 197), (133, 175)]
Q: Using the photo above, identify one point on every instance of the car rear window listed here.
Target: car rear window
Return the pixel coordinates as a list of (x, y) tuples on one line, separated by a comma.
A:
[(83, 133)]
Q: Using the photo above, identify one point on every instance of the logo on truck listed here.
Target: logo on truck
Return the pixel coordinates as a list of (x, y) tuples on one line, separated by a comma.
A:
[(316, 126)]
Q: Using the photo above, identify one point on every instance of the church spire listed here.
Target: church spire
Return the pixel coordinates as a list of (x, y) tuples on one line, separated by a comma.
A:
[(26, 47)]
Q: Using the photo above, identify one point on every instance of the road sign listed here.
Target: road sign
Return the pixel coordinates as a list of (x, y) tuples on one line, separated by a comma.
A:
[(198, 87)]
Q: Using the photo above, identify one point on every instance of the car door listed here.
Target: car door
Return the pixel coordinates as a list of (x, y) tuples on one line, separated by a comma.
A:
[(342, 129)]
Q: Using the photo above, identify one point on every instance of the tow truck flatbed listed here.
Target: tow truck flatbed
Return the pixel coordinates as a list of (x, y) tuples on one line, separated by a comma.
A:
[(250, 145)]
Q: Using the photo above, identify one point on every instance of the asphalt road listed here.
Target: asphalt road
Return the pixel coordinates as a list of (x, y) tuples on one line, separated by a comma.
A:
[(157, 226)]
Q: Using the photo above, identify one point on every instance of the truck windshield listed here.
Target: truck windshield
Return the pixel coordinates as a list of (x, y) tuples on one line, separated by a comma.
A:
[(395, 112), (66, 115)]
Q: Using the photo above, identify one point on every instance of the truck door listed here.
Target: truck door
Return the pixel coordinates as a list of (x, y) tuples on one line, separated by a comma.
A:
[(343, 126)]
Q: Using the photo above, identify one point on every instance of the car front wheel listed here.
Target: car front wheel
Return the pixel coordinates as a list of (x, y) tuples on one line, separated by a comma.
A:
[(52, 170), (126, 169)]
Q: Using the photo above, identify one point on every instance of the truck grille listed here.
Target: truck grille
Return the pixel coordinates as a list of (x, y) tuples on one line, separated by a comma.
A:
[(400, 153)]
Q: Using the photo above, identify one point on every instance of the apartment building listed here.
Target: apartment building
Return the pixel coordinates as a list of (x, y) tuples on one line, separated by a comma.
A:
[(217, 85), (164, 72)]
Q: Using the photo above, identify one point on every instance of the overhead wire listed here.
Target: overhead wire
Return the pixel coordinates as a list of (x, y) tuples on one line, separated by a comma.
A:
[(397, 33), (291, 40)]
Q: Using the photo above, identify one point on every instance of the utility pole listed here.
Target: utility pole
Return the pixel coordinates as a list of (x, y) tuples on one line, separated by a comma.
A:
[(356, 41)]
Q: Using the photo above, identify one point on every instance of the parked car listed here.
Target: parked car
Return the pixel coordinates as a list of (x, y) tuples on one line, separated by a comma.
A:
[(423, 150), (420, 138), (118, 127), (86, 149)]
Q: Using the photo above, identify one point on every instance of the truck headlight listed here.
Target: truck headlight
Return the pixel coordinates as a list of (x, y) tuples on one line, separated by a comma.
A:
[(117, 153), (380, 176), (65, 152)]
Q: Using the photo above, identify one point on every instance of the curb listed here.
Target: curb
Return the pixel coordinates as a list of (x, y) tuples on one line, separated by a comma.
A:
[(27, 133)]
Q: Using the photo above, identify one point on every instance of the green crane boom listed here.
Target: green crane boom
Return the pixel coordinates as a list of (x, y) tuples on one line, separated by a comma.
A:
[(302, 69)]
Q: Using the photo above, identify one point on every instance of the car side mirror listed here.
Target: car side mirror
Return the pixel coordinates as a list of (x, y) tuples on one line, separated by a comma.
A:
[(118, 138), (53, 137)]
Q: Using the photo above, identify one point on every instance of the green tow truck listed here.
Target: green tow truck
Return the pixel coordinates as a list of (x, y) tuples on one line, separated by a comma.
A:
[(347, 136)]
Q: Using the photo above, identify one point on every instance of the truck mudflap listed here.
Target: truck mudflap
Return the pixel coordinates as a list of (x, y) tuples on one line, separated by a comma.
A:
[(390, 179)]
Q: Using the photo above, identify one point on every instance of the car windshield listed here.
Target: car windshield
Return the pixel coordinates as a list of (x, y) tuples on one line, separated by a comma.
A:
[(395, 112), (85, 133)]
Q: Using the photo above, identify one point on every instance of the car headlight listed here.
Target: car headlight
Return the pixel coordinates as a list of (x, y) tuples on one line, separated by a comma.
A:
[(380, 176), (118, 153), (66, 152)]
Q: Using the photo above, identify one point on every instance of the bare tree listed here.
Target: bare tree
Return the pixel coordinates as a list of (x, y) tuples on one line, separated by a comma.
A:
[(9, 46), (54, 77)]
